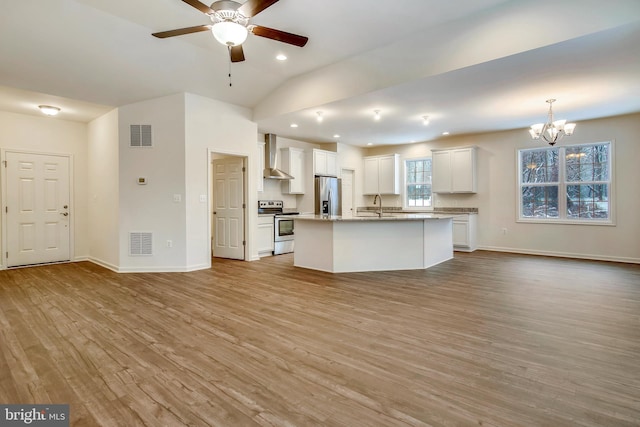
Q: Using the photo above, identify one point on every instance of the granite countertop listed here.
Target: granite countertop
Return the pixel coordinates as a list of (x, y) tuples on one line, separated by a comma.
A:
[(386, 216), (439, 210)]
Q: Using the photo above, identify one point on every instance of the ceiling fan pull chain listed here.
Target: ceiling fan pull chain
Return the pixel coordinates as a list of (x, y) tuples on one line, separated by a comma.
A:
[(229, 47)]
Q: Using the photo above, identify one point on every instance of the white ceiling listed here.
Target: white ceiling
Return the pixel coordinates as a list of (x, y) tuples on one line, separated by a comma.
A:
[(471, 65)]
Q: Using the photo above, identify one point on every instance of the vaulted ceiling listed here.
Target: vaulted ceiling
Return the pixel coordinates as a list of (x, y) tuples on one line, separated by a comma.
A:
[(470, 65)]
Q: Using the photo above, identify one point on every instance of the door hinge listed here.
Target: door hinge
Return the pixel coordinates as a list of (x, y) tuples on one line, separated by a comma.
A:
[(7, 254), (244, 243), (244, 169), (244, 206), (6, 209), (5, 163)]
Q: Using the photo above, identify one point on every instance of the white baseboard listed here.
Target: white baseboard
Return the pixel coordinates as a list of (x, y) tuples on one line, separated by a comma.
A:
[(562, 254)]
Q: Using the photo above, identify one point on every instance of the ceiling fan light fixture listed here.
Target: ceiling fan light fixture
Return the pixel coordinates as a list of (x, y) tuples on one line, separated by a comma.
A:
[(49, 110), (425, 120), (319, 116), (229, 33), (376, 115)]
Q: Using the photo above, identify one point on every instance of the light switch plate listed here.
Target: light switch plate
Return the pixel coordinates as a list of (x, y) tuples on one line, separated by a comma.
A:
[(203, 198), (177, 198)]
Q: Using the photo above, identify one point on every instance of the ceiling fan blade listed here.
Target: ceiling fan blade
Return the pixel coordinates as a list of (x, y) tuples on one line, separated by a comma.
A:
[(280, 36), (236, 53), (182, 31), (200, 6), (254, 7)]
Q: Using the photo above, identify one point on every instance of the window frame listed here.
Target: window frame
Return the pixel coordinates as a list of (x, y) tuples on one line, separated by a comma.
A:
[(405, 183), (562, 185)]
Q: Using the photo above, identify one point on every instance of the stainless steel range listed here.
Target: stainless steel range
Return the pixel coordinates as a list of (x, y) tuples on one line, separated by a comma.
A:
[(283, 235)]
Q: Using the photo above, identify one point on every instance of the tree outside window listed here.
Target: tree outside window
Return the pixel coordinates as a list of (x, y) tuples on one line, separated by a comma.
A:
[(418, 183), (566, 183)]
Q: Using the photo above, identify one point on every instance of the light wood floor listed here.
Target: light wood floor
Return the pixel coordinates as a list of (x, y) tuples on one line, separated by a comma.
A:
[(484, 339)]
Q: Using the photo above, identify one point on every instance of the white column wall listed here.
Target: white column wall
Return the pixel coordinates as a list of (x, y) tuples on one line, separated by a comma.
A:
[(103, 194), (151, 207)]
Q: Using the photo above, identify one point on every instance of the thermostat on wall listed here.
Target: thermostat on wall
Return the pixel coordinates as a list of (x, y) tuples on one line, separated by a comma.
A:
[(142, 180)]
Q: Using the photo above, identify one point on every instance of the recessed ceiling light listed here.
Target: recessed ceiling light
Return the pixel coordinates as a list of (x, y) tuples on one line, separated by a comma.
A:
[(336, 136), (49, 110), (445, 133), (369, 143), (319, 116), (281, 57), (293, 125)]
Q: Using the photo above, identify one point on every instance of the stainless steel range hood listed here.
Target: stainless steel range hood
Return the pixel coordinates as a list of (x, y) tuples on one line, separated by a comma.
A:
[(270, 158)]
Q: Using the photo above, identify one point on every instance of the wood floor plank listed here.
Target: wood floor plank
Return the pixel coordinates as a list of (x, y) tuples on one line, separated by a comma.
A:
[(486, 339)]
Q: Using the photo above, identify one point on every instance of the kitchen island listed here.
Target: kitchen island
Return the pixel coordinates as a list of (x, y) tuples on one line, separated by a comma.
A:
[(369, 242)]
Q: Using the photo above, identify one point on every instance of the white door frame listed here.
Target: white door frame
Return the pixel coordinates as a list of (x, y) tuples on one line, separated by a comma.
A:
[(3, 179), (247, 178)]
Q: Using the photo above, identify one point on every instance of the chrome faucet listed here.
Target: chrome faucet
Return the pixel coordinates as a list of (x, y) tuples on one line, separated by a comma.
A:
[(378, 196)]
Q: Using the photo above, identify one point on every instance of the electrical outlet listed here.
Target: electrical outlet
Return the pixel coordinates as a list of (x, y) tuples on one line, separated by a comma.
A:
[(169, 243), (177, 198)]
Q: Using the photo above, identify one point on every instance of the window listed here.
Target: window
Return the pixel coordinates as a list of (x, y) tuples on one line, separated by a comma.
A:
[(417, 183), (566, 184)]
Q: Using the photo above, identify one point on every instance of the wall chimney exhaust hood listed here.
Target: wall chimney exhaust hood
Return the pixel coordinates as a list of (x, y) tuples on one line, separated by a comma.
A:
[(270, 158)]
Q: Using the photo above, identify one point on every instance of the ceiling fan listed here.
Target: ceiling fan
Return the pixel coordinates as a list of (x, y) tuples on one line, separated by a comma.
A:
[(230, 25)]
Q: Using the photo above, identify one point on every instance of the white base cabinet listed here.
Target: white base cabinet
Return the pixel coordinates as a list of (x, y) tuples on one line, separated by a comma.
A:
[(464, 232), (454, 171), (265, 235)]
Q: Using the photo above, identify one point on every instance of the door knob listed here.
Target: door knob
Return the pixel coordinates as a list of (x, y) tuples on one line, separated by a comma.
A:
[(64, 213)]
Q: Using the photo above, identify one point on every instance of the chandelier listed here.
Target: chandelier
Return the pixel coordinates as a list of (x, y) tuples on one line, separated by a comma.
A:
[(552, 131)]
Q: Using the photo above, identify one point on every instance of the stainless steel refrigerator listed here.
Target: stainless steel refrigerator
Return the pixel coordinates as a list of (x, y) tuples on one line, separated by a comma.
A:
[(328, 193)]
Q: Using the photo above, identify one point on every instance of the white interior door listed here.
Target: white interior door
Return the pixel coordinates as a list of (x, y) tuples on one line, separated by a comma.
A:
[(228, 212), (347, 192), (37, 208)]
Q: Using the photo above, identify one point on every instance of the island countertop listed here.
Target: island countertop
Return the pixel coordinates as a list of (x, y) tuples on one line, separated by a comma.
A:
[(374, 217)]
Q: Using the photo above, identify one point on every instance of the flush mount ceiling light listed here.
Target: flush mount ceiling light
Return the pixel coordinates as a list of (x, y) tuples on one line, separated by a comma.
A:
[(425, 120), (376, 115), (293, 125), (552, 131), (49, 110), (319, 116), (336, 136), (281, 57)]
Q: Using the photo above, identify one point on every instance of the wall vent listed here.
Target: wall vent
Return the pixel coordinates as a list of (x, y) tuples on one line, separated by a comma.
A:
[(141, 136), (140, 244)]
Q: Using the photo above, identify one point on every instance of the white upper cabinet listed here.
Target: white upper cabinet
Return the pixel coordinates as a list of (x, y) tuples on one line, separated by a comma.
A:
[(382, 174), (292, 162), (260, 166), (454, 171), (325, 162)]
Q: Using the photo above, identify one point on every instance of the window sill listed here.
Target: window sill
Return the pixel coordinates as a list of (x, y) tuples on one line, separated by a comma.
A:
[(565, 221)]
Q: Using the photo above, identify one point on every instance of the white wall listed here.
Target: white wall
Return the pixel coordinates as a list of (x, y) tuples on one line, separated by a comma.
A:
[(497, 192), (49, 135), (215, 127), (151, 207), (103, 190)]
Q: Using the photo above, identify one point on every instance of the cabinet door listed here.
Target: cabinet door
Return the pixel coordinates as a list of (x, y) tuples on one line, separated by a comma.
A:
[(388, 179), (319, 162), (265, 236), (461, 233), (463, 171), (332, 164), (296, 169), (370, 176), (441, 171), (260, 166)]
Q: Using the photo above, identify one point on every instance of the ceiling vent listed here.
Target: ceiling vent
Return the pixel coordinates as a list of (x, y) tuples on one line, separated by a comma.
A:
[(140, 136), (140, 244)]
